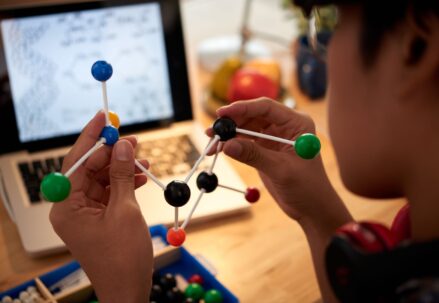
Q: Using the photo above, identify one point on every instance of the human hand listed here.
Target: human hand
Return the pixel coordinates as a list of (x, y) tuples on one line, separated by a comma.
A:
[(300, 187), (101, 222)]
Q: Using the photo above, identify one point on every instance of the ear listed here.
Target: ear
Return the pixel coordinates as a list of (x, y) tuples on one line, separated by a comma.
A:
[(420, 51)]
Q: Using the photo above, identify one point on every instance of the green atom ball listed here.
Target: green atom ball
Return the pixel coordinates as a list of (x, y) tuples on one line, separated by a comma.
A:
[(194, 291), (55, 187), (307, 146), (213, 296)]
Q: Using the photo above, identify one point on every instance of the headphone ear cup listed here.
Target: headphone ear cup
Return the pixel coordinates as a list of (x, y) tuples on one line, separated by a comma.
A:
[(382, 234), (346, 254), (401, 226), (342, 258), (367, 237)]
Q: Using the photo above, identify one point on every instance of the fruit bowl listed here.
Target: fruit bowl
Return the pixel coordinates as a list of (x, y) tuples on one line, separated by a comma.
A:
[(211, 103), (237, 80)]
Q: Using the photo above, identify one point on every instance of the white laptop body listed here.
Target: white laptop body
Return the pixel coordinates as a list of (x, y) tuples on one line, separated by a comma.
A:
[(166, 99)]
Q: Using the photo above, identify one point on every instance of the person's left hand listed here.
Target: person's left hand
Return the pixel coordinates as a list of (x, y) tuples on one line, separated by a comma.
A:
[(101, 222)]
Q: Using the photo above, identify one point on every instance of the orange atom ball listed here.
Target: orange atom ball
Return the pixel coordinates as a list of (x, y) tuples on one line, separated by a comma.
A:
[(114, 119), (176, 237)]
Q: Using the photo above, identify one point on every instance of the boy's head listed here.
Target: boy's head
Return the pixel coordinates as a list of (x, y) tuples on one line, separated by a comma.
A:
[(383, 69)]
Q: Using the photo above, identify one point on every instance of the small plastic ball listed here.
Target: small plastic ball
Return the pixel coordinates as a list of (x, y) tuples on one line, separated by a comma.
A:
[(6, 299), (101, 70), (213, 296), (252, 194), (55, 187), (176, 237), (196, 279), (174, 295), (111, 135), (225, 128), (23, 295), (167, 282), (194, 291), (114, 119), (156, 278), (207, 182), (307, 146), (177, 193), (156, 293)]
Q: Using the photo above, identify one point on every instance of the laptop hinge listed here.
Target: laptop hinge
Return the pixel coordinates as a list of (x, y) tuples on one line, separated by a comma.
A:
[(5, 198)]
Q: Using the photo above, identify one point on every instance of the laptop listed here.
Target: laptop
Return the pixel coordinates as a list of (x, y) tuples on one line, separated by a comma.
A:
[(47, 95)]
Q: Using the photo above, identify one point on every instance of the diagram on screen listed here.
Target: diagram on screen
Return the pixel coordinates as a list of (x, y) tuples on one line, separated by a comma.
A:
[(49, 58)]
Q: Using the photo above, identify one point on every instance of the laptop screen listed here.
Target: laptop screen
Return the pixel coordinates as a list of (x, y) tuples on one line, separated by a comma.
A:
[(48, 57)]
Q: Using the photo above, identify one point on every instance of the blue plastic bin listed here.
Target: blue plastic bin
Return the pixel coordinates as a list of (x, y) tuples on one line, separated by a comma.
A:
[(186, 266)]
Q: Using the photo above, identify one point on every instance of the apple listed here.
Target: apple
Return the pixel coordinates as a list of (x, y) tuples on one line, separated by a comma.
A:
[(266, 66), (249, 84)]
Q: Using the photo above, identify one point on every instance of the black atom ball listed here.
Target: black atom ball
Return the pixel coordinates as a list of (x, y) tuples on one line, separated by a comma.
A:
[(207, 182), (177, 193), (168, 282), (174, 295), (156, 294), (225, 128), (156, 278)]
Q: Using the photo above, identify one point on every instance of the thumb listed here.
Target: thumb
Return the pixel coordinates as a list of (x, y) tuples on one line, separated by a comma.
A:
[(249, 153), (122, 172)]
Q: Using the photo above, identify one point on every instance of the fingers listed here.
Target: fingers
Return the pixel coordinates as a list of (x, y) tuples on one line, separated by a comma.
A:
[(86, 140), (250, 153), (83, 177), (268, 117), (145, 163), (209, 132), (102, 178), (139, 181), (122, 174), (270, 111), (97, 191), (101, 158)]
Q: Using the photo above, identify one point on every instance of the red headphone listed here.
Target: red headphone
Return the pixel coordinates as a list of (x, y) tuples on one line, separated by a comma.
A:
[(375, 237), (368, 262)]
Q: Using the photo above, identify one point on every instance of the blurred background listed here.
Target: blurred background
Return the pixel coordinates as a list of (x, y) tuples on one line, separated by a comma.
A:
[(253, 48)]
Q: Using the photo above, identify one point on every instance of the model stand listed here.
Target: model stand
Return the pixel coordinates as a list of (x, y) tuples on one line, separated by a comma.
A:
[(56, 186)]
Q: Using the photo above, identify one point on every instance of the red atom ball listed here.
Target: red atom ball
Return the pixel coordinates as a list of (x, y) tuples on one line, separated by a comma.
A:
[(252, 194), (175, 237), (196, 279)]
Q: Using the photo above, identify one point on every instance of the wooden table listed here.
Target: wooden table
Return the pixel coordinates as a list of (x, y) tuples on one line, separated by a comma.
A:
[(262, 256)]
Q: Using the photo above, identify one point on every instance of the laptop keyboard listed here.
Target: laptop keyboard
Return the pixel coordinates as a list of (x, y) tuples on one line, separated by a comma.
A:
[(167, 156), (33, 172)]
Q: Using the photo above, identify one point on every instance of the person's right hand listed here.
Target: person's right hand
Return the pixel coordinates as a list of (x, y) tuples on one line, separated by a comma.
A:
[(300, 187), (101, 221)]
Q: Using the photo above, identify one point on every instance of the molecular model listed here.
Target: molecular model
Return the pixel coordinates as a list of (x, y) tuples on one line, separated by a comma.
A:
[(56, 186)]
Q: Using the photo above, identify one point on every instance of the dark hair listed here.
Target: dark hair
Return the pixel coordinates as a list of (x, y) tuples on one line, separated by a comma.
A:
[(380, 17)]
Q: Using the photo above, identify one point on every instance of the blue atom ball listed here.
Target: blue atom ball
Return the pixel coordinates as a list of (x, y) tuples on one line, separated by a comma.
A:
[(111, 135), (101, 70)]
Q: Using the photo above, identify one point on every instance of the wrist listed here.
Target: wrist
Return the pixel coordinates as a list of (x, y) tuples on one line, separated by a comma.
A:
[(325, 221), (123, 292), (326, 215), (115, 281)]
